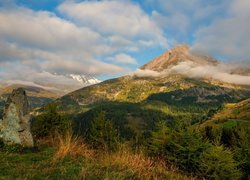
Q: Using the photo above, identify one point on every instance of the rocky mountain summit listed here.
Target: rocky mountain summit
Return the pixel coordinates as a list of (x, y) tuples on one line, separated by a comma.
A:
[(176, 55), (15, 126)]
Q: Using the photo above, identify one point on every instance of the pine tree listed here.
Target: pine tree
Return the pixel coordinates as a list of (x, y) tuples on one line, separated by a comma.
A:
[(159, 137), (102, 133), (218, 163)]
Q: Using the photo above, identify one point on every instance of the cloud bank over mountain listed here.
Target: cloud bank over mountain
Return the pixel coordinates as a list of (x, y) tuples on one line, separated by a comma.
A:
[(220, 72)]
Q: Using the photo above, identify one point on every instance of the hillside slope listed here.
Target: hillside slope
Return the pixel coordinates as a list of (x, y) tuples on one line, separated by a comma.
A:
[(231, 114), (239, 110), (135, 89)]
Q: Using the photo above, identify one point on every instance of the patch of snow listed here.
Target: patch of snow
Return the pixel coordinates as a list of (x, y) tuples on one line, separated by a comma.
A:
[(84, 80)]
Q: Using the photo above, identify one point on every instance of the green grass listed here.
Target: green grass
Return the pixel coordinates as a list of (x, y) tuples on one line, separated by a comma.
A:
[(230, 124), (37, 165)]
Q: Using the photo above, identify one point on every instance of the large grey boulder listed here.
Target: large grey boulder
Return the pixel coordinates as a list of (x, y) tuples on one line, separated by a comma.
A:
[(15, 126)]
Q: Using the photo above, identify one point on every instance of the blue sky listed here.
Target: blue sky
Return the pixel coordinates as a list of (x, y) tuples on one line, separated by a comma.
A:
[(41, 40)]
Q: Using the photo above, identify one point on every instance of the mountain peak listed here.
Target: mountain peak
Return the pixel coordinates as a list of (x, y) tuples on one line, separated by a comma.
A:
[(176, 55), (182, 48)]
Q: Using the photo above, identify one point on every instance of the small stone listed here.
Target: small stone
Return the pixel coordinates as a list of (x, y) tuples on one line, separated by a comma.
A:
[(15, 126)]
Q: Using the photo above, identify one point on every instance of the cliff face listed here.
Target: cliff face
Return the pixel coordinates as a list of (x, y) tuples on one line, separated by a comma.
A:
[(15, 126)]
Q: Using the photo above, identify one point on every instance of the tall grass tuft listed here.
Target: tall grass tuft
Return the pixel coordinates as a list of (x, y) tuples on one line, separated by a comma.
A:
[(126, 158), (70, 145)]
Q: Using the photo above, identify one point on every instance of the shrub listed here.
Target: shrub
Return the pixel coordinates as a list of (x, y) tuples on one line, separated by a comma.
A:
[(50, 122), (237, 138), (160, 137), (103, 135), (242, 150), (183, 147), (218, 163)]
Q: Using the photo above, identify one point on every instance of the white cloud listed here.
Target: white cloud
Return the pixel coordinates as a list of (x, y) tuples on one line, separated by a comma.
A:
[(227, 36), (180, 18), (41, 35), (146, 73), (123, 59), (42, 41), (122, 18), (219, 28), (23, 73), (43, 30), (88, 67), (221, 72), (28, 83)]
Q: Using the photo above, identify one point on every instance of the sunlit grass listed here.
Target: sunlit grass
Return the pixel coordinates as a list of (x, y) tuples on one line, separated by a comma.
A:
[(70, 145)]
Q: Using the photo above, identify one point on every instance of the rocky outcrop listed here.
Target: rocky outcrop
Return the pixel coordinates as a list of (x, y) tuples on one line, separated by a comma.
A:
[(15, 126)]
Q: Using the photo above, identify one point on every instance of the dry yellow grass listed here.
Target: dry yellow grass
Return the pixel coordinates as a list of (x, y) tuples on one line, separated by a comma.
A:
[(70, 145), (143, 167), (125, 158), (121, 164)]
